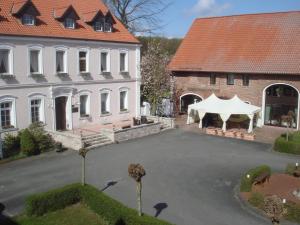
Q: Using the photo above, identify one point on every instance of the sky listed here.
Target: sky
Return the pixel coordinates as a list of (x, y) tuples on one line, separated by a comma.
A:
[(179, 16)]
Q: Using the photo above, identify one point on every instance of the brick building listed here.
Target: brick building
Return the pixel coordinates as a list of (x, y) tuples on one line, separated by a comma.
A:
[(256, 57)]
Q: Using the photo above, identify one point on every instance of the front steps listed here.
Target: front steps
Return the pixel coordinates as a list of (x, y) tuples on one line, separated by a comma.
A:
[(95, 140)]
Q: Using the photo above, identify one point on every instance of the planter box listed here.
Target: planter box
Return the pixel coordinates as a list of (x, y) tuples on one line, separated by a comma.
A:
[(230, 134), (249, 137), (211, 131)]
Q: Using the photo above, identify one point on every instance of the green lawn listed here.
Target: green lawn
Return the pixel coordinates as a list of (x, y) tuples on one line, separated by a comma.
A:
[(77, 214)]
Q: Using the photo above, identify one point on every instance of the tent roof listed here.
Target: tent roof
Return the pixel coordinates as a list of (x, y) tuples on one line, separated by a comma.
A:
[(213, 104)]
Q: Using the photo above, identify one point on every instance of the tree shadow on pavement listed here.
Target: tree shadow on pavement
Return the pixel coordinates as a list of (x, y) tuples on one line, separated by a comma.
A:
[(5, 220), (159, 208)]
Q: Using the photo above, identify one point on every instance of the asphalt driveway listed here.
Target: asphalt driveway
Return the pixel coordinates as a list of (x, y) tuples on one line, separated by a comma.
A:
[(190, 177)]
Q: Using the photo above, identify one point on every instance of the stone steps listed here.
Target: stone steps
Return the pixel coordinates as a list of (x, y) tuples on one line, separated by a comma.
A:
[(96, 140)]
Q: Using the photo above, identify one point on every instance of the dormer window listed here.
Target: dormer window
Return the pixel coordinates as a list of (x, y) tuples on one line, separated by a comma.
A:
[(28, 19), (70, 23), (98, 26), (107, 26)]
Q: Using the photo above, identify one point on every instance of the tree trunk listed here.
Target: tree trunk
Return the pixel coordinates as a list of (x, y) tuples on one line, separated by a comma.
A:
[(287, 132), (139, 197), (83, 171)]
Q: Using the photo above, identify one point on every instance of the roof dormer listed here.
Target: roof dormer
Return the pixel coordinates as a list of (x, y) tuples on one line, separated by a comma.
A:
[(67, 15), (25, 11), (100, 21)]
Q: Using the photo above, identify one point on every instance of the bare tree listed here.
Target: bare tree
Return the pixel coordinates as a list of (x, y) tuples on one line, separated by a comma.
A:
[(139, 16), (137, 171), (82, 152), (274, 208)]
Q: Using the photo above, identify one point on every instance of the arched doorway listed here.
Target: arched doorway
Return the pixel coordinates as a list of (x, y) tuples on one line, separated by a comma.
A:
[(188, 99), (279, 100)]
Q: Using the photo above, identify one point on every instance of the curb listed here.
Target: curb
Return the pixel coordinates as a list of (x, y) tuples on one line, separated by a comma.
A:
[(252, 210)]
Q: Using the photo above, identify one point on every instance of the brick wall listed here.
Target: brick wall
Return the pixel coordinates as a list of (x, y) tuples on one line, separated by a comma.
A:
[(199, 83)]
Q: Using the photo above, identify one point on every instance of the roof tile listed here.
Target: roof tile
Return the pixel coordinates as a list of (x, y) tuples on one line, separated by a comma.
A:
[(255, 43), (49, 27)]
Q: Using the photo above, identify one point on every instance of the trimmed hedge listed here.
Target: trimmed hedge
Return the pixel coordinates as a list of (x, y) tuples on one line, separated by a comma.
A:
[(246, 183), (292, 146), (257, 200), (40, 204), (110, 210), (293, 212)]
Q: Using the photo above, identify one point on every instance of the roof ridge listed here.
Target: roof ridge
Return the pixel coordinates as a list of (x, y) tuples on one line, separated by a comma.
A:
[(248, 14)]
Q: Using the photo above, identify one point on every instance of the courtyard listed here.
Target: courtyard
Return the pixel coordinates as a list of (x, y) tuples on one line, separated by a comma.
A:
[(191, 177)]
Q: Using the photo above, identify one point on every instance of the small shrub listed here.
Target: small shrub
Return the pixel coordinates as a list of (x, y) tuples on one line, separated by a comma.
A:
[(43, 140), (28, 146), (50, 201), (11, 145), (257, 200), (290, 168), (293, 212), (291, 146), (246, 183)]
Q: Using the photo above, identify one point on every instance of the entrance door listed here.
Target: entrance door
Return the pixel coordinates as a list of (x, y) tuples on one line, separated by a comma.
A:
[(60, 113)]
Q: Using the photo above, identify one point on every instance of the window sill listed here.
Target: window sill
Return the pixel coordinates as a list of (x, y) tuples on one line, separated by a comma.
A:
[(84, 73), (36, 75), (8, 130), (105, 114), (124, 72), (85, 117), (6, 75), (62, 74), (105, 73), (124, 112)]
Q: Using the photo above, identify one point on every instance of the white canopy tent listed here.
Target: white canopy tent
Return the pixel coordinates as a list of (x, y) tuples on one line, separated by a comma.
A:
[(225, 108)]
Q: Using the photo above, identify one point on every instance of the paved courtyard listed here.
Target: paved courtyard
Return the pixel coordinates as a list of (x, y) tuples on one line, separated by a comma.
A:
[(190, 177)]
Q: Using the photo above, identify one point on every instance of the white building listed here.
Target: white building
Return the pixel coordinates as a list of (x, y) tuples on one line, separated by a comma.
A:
[(66, 63)]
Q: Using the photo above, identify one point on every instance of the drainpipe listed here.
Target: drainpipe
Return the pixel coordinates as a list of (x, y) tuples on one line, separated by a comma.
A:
[(1, 150)]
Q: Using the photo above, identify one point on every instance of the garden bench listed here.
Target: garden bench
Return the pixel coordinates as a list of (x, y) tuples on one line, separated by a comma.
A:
[(262, 178)]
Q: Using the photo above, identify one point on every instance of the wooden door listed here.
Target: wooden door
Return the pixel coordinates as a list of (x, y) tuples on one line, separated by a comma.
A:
[(60, 113)]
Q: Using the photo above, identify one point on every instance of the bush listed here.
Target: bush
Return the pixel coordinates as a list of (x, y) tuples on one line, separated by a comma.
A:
[(11, 145), (50, 201), (110, 210), (257, 200), (246, 183), (290, 168), (28, 146), (292, 146), (43, 140), (293, 212)]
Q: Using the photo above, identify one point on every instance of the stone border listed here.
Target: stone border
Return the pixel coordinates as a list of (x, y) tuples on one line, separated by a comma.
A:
[(246, 206)]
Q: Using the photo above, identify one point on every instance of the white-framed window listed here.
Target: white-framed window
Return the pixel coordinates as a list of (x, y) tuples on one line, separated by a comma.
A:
[(98, 25), (83, 61), (123, 61), (28, 19), (35, 60), (7, 113), (104, 61), (123, 99), (105, 101), (37, 108), (84, 99), (61, 63), (69, 23), (6, 60)]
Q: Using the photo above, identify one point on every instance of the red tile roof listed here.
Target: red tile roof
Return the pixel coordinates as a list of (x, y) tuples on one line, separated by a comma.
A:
[(50, 27), (257, 43)]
